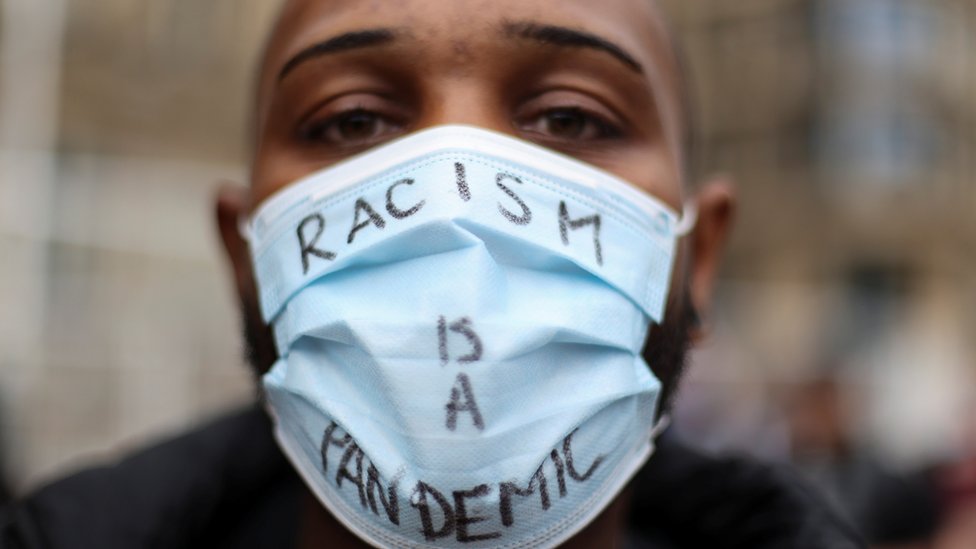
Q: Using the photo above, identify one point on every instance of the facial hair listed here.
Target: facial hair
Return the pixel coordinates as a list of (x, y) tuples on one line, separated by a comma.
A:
[(666, 348)]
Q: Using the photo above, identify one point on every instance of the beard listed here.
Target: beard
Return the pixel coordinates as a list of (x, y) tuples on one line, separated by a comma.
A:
[(667, 345), (665, 350), (259, 346)]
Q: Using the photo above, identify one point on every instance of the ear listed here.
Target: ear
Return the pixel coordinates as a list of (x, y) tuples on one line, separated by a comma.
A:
[(230, 207), (716, 213)]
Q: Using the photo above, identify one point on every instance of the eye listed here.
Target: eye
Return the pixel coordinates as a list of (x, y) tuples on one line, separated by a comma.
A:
[(568, 124), (351, 128), (566, 117)]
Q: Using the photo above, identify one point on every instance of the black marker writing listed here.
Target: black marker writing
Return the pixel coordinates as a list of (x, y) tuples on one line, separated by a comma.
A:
[(560, 472), (372, 218), (566, 224), (461, 518), (570, 468), (526, 216), (396, 212), (308, 247), (356, 478), (462, 327), (442, 340), (419, 501), (329, 440), (389, 500), (509, 489), (462, 181), (446, 511), (369, 489), (462, 390)]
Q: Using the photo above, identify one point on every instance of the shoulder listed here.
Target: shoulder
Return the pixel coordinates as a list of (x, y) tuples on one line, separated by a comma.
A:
[(691, 499), (163, 496)]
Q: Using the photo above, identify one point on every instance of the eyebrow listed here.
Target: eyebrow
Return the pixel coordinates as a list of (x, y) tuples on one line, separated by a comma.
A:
[(341, 43), (567, 37)]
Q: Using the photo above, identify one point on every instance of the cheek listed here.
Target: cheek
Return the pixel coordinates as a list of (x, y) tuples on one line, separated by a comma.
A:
[(275, 167), (270, 171), (653, 172), (278, 162), (266, 179)]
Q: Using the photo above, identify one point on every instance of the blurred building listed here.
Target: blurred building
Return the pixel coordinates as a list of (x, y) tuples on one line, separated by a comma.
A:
[(117, 119), (850, 127)]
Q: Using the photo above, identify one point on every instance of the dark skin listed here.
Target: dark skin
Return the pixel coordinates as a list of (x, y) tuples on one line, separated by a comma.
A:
[(594, 80)]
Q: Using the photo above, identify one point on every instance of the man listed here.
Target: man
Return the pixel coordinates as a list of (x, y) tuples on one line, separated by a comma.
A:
[(596, 82)]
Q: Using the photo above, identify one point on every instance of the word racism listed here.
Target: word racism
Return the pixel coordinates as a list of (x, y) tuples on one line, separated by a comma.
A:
[(365, 215), (442, 515)]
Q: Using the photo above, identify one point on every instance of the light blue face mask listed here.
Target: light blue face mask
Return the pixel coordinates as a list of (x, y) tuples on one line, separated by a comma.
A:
[(459, 316)]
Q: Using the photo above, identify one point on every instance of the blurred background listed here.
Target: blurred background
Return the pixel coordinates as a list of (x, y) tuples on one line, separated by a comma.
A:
[(844, 334)]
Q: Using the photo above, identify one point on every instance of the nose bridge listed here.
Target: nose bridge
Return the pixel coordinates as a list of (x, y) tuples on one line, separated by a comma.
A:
[(463, 99)]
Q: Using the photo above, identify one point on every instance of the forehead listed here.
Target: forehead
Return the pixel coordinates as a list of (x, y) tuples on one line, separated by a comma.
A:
[(630, 18), (461, 25)]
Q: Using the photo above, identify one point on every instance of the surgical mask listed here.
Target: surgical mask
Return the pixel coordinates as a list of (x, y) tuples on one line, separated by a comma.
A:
[(459, 317)]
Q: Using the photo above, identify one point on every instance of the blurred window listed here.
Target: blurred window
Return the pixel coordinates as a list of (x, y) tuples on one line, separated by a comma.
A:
[(879, 122)]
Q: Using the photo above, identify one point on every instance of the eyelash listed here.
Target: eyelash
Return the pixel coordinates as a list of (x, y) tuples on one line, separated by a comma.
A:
[(606, 129), (315, 131)]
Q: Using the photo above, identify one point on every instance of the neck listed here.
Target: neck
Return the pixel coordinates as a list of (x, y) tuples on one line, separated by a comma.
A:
[(319, 529), (607, 530)]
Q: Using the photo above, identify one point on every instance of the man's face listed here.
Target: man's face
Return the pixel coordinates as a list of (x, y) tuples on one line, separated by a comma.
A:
[(597, 81), (593, 80)]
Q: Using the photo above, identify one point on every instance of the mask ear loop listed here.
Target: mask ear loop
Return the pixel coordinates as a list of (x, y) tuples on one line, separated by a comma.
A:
[(244, 228), (662, 425), (689, 218)]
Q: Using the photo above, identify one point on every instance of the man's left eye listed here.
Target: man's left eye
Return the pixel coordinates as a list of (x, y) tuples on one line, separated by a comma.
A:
[(351, 128), (568, 123)]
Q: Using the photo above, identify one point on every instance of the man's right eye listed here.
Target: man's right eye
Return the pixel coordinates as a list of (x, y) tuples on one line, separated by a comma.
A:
[(352, 128)]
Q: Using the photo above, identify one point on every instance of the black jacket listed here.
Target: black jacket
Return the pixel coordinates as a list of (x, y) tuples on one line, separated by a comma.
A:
[(228, 486)]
